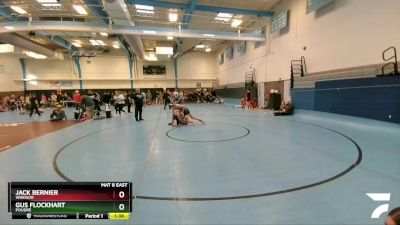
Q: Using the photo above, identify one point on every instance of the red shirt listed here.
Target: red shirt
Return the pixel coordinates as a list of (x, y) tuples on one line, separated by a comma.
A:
[(77, 98)]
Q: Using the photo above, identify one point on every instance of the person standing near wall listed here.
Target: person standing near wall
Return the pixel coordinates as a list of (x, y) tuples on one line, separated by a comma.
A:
[(139, 100), (43, 101), (129, 99), (34, 105), (175, 96), (166, 98), (77, 99), (248, 98), (89, 104), (120, 102), (107, 99)]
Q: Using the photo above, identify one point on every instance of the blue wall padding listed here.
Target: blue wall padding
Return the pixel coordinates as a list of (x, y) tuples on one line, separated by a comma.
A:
[(375, 98), (303, 98)]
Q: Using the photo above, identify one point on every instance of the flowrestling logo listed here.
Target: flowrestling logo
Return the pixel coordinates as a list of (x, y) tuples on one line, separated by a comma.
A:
[(379, 197)]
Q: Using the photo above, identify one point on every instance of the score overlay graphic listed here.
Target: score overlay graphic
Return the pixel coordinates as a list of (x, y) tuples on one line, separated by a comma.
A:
[(75, 200)]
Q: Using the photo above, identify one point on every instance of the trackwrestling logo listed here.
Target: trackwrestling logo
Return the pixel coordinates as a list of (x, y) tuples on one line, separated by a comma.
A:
[(379, 197)]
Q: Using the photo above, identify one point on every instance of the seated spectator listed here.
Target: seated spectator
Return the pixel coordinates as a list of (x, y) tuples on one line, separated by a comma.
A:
[(18, 104), (219, 100), (3, 108), (58, 114), (53, 98), (43, 101), (285, 109), (11, 105)]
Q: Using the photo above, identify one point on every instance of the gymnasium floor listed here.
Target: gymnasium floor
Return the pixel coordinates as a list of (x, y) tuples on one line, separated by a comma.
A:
[(241, 167)]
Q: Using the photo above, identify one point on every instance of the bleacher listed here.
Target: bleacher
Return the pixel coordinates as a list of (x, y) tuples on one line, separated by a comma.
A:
[(308, 80), (367, 91)]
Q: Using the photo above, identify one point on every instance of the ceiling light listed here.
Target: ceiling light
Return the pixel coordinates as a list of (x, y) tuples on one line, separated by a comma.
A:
[(200, 46), (51, 4), (149, 31), (9, 27), (164, 50), (116, 46), (226, 15), (47, 1), (224, 19), (76, 44), (18, 9), (103, 34), (209, 35), (97, 42), (208, 50), (4, 48), (144, 7), (151, 56), (34, 55), (145, 11), (80, 9), (173, 17), (170, 38), (236, 22)]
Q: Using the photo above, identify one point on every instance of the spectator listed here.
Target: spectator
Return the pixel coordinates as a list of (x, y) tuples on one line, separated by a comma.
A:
[(107, 99), (58, 114), (175, 96), (88, 102), (285, 109), (129, 101), (34, 105), (53, 98), (120, 102), (139, 101), (43, 101), (166, 99), (77, 99), (149, 96)]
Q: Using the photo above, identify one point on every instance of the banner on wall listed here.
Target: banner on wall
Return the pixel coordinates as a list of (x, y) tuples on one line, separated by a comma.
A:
[(58, 84)]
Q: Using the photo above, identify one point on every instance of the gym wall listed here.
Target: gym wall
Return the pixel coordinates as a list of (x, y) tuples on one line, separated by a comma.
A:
[(105, 72)]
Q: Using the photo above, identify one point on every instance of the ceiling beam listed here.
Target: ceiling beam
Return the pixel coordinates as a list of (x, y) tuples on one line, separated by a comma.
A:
[(187, 18), (120, 29), (5, 13), (203, 8), (9, 15), (25, 43), (71, 49), (159, 4), (60, 41), (97, 10)]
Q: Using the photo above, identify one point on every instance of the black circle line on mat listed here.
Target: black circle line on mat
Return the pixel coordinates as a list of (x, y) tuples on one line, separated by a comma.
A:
[(55, 166), (230, 139), (344, 172)]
